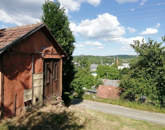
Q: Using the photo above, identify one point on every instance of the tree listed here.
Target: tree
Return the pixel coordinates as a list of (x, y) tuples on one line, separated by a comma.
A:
[(146, 76), (56, 20), (84, 63), (83, 80), (108, 72)]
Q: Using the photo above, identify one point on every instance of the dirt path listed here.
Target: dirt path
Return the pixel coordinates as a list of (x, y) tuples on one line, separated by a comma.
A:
[(124, 111)]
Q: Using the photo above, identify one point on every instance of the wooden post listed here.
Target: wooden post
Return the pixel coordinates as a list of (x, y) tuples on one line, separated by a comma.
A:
[(60, 76), (32, 79), (15, 105)]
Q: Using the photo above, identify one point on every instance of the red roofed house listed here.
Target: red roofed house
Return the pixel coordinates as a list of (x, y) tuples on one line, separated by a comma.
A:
[(30, 68)]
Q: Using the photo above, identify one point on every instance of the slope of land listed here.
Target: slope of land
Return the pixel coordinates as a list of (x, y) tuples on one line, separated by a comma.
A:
[(74, 118)]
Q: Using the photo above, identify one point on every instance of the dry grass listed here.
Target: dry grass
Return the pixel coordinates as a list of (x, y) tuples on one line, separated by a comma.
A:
[(73, 118)]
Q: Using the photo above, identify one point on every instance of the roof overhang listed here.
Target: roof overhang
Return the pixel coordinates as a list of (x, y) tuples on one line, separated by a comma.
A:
[(18, 40)]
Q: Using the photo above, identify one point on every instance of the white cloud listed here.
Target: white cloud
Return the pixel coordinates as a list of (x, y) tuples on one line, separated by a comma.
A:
[(105, 26), (126, 1), (93, 48), (149, 31), (94, 44), (94, 2), (70, 4), (157, 25), (21, 12), (74, 5), (18, 19), (131, 30), (126, 41), (143, 2)]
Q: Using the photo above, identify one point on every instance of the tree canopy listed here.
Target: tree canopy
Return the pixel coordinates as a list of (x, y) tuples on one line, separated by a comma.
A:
[(108, 72), (146, 77)]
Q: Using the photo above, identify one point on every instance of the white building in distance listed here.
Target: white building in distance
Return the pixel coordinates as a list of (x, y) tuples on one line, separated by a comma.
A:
[(124, 65)]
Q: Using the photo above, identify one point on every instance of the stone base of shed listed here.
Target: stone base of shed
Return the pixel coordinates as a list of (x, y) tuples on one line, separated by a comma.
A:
[(108, 92)]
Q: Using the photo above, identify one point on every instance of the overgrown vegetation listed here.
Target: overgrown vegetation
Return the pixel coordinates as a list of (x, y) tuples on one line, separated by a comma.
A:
[(145, 80), (83, 79), (56, 20)]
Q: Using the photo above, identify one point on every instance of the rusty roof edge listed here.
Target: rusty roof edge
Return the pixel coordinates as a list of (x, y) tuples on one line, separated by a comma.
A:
[(2, 50)]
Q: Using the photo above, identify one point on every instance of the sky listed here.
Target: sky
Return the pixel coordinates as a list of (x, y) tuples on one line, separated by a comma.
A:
[(100, 27)]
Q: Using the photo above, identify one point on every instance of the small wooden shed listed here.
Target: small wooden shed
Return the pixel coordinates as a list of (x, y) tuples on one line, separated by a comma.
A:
[(30, 68)]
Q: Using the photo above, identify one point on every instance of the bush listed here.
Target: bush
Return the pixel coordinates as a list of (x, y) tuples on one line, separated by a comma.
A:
[(98, 82)]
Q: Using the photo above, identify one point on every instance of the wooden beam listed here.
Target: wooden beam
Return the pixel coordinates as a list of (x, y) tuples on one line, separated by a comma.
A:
[(60, 77)]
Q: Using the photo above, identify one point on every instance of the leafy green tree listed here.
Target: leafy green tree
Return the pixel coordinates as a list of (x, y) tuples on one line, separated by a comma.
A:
[(83, 80), (56, 20), (108, 72), (98, 81), (146, 76), (84, 63)]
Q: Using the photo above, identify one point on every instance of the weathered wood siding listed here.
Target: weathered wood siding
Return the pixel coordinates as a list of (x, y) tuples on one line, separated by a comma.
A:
[(37, 96), (27, 95)]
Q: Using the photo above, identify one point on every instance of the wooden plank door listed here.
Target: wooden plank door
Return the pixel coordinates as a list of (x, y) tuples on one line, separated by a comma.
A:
[(51, 78), (55, 80)]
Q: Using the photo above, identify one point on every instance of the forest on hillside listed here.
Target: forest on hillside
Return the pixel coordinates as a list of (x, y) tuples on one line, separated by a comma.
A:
[(104, 59)]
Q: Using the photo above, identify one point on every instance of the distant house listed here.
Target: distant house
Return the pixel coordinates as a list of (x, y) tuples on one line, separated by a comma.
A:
[(93, 69), (124, 65), (76, 64), (30, 68)]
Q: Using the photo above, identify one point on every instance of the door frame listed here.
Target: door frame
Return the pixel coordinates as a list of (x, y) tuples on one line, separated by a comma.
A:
[(44, 75)]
